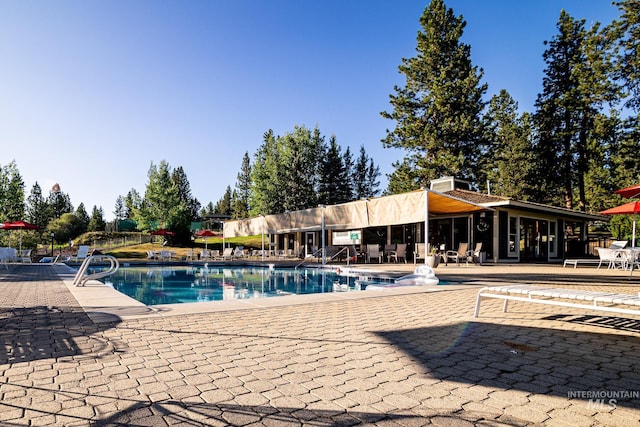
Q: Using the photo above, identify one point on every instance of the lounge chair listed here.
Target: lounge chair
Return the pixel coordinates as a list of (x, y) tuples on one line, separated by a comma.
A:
[(8, 255), (618, 244), (25, 256), (461, 253), (238, 252), (227, 253), (399, 253), (81, 255), (373, 251)]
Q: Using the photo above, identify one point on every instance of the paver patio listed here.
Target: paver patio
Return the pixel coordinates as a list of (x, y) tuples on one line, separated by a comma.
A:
[(393, 358)]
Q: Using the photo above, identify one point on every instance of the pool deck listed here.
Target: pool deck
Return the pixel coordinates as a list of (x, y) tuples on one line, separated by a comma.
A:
[(403, 356)]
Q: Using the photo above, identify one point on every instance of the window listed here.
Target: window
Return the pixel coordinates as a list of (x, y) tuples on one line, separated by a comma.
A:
[(553, 241), (514, 237)]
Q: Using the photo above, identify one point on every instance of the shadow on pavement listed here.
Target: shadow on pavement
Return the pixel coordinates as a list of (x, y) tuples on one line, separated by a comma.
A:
[(535, 360), (40, 332)]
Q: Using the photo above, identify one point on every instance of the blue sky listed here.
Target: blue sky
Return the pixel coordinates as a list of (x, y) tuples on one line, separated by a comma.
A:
[(92, 92)]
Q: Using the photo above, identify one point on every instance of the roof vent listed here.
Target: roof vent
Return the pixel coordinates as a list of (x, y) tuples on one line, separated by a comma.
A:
[(448, 183)]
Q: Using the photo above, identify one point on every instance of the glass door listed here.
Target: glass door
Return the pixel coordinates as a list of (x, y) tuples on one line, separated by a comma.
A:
[(534, 241)]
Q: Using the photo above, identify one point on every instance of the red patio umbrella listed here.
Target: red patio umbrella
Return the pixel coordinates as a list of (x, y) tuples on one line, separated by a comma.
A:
[(631, 208), (632, 192), (206, 233), (162, 232), (19, 225)]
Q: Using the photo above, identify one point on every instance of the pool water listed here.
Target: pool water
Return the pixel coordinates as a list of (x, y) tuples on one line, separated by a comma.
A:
[(154, 285)]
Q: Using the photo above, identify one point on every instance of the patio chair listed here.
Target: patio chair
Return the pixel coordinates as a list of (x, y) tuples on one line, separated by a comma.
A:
[(461, 253), (618, 244), (388, 250), (399, 253), (419, 252), (611, 257), (81, 255), (238, 252), (227, 254), (475, 253), (373, 251), (25, 256)]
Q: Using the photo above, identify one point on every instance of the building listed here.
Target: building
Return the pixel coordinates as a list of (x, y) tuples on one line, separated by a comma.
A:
[(445, 215)]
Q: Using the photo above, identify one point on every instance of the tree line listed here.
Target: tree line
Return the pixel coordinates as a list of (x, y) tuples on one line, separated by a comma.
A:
[(296, 171), (579, 145)]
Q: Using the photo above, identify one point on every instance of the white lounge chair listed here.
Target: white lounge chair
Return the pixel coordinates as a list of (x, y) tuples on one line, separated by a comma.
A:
[(25, 256), (575, 298), (81, 255), (227, 253)]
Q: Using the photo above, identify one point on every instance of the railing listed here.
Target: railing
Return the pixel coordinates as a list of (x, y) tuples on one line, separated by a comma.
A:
[(345, 249), (313, 255), (81, 276)]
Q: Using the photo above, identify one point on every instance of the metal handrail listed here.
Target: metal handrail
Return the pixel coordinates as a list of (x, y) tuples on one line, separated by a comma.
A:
[(339, 252), (81, 278), (305, 260)]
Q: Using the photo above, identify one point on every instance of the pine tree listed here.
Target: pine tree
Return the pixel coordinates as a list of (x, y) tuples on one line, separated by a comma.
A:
[(38, 211), (265, 177), (96, 223), (575, 87), (365, 176), (333, 185), (12, 207), (223, 207), (508, 164), (243, 189), (437, 112), (84, 218)]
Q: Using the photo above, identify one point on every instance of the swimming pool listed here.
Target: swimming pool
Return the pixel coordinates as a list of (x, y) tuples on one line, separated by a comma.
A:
[(156, 284)]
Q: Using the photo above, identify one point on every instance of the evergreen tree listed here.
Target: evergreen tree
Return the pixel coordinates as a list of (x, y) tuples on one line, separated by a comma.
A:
[(84, 218), (237, 206), (300, 151), (333, 183), (12, 207), (403, 178), (266, 177), (133, 203), (243, 189), (365, 176), (223, 207), (38, 211), (349, 167), (575, 87), (208, 210), (59, 202), (509, 163), (162, 206), (120, 210), (437, 112), (97, 222), (626, 31)]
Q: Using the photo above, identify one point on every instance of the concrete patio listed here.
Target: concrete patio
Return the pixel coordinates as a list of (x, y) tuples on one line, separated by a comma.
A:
[(404, 356)]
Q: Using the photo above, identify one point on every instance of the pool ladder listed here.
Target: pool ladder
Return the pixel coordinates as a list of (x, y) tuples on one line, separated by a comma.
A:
[(81, 276)]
